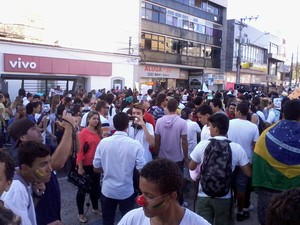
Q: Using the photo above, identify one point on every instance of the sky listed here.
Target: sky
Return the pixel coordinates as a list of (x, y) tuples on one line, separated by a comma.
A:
[(276, 17), (70, 19)]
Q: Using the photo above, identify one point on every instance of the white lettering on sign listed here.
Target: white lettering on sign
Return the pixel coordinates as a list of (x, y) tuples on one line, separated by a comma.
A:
[(21, 64)]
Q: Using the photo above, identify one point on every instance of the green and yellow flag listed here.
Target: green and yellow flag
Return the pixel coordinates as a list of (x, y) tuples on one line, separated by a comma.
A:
[(276, 158)]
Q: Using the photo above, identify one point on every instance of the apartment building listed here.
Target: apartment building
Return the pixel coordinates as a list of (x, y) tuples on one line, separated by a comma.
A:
[(262, 57), (181, 43)]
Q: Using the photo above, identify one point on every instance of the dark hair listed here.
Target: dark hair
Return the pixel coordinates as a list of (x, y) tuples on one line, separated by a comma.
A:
[(121, 121), (100, 104), (217, 102), (291, 110), (221, 121), (149, 91), (205, 109), (191, 105), (198, 100), (22, 92), (243, 108), (243, 98), (8, 217), (31, 150), (67, 99), (185, 113), (30, 106), (284, 208), (60, 110), (172, 105), (218, 95), (160, 98), (9, 165), (86, 100), (110, 98), (78, 101), (165, 174), (232, 103), (255, 101), (76, 108)]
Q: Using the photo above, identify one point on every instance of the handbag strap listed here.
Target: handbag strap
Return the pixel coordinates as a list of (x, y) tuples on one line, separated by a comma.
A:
[(74, 153)]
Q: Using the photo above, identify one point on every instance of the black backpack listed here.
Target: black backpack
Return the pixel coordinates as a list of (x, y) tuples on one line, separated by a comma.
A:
[(261, 125), (216, 169)]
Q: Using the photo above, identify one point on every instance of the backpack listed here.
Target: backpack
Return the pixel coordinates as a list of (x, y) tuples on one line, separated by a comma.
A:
[(261, 125), (216, 169)]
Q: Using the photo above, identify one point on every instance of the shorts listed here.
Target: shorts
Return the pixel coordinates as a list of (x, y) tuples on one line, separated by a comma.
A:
[(241, 180)]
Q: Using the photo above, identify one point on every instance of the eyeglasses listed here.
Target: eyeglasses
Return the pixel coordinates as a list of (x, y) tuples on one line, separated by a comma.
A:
[(93, 103), (106, 107)]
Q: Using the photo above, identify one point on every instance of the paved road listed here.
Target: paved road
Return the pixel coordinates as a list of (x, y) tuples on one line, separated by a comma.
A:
[(69, 208)]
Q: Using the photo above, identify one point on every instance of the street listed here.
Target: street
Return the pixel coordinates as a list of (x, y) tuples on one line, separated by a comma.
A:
[(69, 210)]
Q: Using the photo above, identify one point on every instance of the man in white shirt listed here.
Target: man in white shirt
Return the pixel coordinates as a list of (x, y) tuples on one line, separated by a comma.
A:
[(203, 112), (117, 156), (141, 130), (161, 183), (245, 133), (34, 170), (92, 103), (218, 210), (193, 135)]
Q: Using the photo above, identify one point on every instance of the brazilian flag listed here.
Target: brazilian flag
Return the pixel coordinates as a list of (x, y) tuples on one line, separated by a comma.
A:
[(276, 158)]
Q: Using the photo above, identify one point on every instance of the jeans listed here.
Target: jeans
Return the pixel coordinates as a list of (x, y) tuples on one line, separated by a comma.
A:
[(264, 196), (109, 207)]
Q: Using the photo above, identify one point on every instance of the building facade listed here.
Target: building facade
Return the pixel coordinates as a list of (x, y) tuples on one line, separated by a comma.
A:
[(181, 43), (262, 57), (38, 68)]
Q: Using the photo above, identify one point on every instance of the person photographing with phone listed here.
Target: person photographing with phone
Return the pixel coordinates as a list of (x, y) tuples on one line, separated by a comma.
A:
[(23, 130)]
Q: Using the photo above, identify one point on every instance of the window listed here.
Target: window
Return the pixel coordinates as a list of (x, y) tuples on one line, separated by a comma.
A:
[(185, 24), (207, 52), (153, 42), (194, 49), (209, 31), (153, 13)]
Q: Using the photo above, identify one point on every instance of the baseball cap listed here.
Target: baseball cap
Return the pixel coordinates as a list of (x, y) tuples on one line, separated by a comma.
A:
[(20, 127)]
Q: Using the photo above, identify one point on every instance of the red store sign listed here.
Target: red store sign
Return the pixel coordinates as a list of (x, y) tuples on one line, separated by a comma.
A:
[(36, 64)]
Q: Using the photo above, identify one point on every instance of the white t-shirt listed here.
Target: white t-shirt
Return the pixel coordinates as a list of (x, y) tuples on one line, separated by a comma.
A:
[(193, 130), (239, 158), (273, 116), (18, 200), (205, 133), (137, 217), (244, 133), (140, 136), (261, 115)]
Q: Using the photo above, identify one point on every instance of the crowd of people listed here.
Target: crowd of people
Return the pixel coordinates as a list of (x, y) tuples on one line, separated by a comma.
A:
[(126, 142)]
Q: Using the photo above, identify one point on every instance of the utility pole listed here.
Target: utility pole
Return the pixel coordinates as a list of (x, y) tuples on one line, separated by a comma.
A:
[(241, 25), (291, 71), (129, 46), (296, 82)]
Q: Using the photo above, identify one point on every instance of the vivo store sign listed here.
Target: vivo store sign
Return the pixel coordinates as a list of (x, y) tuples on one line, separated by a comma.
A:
[(22, 64), (48, 65)]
